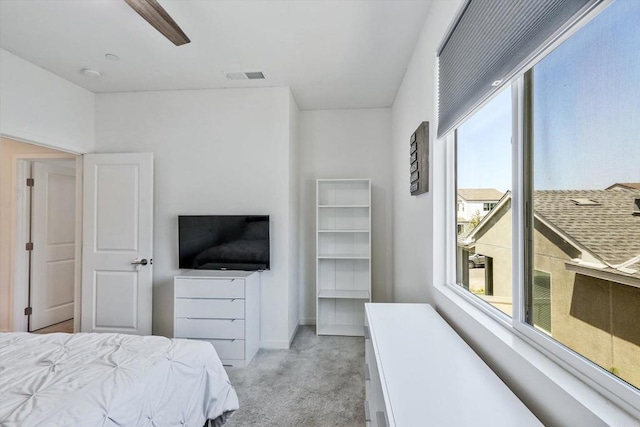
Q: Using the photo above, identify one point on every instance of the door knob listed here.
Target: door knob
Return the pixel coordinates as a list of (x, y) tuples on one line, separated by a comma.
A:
[(142, 261)]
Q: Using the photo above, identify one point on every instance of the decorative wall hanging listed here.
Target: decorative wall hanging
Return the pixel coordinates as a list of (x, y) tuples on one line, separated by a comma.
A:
[(419, 160)]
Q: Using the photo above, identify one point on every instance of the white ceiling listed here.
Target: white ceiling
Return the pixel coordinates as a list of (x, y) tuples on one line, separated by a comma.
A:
[(332, 53)]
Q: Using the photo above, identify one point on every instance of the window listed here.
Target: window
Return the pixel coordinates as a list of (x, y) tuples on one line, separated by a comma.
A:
[(483, 153), (541, 300), (586, 139), (580, 286)]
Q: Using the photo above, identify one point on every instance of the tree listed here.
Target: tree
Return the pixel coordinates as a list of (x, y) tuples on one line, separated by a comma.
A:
[(475, 220)]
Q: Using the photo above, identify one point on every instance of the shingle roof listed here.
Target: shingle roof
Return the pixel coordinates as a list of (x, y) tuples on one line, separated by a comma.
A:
[(609, 229), (480, 194), (625, 186)]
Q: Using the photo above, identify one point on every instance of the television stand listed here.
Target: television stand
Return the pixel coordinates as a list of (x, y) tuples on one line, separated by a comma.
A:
[(220, 307)]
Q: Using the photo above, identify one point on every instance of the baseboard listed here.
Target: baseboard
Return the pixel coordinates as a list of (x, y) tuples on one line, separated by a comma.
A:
[(309, 321), (275, 345), (293, 334)]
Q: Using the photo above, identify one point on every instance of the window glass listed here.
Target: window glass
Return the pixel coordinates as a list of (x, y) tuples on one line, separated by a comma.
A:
[(541, 297), (483, 179), (585, 266)]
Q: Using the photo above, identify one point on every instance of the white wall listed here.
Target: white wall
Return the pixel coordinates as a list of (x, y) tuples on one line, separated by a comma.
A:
[(552, 393), (346, 144), (412, 215), (40, 107), (216, 152)]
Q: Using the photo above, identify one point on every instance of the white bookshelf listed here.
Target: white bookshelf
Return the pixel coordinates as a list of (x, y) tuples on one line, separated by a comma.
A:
[(343, 255)]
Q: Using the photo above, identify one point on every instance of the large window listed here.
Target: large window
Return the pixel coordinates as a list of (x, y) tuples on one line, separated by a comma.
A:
[(579, 226), (585, 148), (483, 154)]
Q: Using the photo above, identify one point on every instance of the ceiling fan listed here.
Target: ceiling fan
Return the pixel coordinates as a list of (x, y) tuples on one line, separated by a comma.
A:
[(155, 15)]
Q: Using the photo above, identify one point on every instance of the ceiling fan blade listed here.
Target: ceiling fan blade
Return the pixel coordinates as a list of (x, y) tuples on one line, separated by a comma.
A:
[(155, 15)]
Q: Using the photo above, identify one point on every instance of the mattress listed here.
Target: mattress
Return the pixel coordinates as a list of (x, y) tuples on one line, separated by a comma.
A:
[(111, 380)]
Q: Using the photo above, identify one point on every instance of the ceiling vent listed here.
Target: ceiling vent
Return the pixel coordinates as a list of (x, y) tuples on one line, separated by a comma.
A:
[(585, 202), (255, 75), (248, 75)]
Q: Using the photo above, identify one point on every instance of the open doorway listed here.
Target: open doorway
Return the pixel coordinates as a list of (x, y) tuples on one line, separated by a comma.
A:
[(39, 252), (51, 249)]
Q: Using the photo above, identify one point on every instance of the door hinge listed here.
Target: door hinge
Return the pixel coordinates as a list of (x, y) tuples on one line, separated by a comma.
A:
[(30, 182), (29, 246), (28, 311)]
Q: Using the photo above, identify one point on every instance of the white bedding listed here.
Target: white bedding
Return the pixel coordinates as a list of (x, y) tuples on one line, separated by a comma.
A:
[(110, 380)]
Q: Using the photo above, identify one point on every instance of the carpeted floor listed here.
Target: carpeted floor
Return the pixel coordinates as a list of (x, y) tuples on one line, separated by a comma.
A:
[(318, 382)]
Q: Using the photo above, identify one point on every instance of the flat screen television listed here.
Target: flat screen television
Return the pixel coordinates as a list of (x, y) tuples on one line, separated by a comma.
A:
[(224, 242)]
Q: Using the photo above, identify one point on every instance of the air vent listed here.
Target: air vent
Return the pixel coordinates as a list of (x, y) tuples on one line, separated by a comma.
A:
[(585, 202), (255, 75), (248, 75)]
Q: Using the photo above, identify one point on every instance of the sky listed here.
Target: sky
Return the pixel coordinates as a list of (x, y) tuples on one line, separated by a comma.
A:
[(586, 113)]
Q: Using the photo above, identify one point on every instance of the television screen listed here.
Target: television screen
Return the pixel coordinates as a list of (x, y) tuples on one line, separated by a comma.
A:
[(229, 242)]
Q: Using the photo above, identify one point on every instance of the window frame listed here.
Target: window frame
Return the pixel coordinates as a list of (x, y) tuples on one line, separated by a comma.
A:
[(597, 378)]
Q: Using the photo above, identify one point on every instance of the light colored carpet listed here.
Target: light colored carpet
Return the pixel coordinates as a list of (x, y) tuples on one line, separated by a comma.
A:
[(318, 382)]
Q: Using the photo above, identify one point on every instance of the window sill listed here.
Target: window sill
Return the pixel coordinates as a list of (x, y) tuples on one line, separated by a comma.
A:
[(552, 393)]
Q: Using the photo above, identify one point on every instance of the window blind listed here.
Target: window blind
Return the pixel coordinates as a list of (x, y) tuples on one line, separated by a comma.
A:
[(490, 41)]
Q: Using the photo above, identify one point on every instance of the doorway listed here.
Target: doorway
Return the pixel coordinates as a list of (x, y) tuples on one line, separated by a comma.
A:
[(51, 247), (40, 254)]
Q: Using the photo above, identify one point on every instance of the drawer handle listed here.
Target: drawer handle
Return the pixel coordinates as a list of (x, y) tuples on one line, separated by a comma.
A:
[(367, 413), (367, 376), (382, 420), (367, 335)]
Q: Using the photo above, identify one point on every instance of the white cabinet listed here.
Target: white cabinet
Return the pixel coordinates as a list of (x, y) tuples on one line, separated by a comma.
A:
[(418, 371), (343, 255), (221, 307)]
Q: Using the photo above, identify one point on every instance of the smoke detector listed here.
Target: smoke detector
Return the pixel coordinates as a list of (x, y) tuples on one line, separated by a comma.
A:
[(245, 75)]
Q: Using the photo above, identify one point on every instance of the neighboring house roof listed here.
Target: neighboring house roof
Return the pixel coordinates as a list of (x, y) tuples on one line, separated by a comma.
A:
[(479, 194), (600, 222), (470, 234), (625, 186), (608, 229)]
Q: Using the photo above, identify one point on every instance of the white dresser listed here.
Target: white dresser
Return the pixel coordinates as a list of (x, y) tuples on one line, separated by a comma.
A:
[(419, 372), (221, 307)]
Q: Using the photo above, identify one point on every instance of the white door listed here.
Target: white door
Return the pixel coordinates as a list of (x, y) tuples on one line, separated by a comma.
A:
[(53, 223), (117, 243)]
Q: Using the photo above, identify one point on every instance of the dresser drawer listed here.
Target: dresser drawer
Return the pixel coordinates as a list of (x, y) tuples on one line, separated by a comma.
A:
[(209, 288), (210, 308), (209, 328), (228, 349)]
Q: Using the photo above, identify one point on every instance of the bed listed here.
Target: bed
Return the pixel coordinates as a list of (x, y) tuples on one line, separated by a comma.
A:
[(91, 379)]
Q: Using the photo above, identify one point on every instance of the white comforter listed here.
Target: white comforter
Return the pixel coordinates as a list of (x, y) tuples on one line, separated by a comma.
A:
[(110, 380)]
